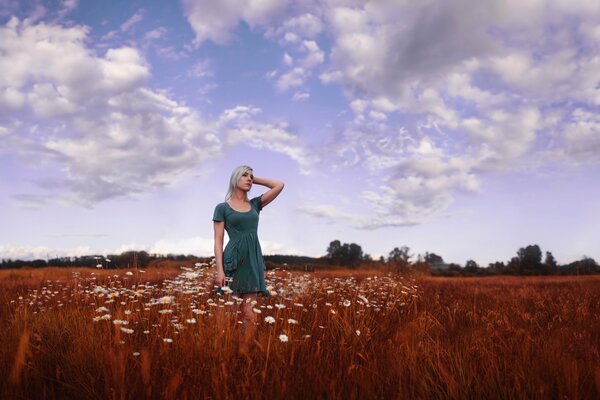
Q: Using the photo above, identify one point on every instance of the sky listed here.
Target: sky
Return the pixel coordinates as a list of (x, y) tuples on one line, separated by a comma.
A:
[(467, 129)]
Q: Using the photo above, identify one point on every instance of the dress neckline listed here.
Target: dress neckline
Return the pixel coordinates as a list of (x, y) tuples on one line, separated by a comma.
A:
[(241, 212)]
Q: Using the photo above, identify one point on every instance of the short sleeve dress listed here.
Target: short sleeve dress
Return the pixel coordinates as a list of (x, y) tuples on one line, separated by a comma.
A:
[(242, 256)]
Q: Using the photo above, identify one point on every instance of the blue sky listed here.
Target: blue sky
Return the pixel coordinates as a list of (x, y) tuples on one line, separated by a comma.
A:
[(461, 128)]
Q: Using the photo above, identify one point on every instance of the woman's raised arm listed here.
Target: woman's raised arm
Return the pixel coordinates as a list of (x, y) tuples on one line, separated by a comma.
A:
[(275, 186)]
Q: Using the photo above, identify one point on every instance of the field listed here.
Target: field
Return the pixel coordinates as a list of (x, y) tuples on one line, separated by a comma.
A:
[(163, 333)]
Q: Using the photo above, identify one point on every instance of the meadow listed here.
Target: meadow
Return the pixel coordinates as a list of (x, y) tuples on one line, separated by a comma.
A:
[(375, 334)]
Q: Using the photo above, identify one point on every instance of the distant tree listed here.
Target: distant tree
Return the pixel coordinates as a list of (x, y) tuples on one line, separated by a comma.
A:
[(400, 255), (381, 259), (433, 258), (471, 266), (586, 265), (345, 254), (355, 254), (513, 266), (131, 259), (38, 263), (530, 260), (550, 261), (334, 249)]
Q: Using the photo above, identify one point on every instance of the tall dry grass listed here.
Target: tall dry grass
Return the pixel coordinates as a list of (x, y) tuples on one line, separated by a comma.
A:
[(437, 338)]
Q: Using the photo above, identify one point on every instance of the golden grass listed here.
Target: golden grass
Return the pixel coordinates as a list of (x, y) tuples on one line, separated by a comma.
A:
[(493, 337)]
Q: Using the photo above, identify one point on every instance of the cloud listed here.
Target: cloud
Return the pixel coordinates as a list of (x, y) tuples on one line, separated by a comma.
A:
[(306, 25), (581, 135), (201, 69), (460, 89), (291, 79), (110, 133), (66, 6), (330, 213), (28, 252), (215, 20), (198, 245), (240, 125), (133, 20), (301, 96), (155, 34), (195, 245), (314, 55)]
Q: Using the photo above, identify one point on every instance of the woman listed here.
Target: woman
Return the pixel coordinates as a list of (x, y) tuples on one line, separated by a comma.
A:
[(242, 261)]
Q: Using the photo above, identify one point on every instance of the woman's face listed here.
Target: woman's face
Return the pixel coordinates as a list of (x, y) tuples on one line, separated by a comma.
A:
[(246, 180)]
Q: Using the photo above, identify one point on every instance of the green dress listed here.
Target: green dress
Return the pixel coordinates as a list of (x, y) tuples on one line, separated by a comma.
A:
[(242, 256)]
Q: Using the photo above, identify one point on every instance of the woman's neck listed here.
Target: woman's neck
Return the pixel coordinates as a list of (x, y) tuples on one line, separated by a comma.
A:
[(239, 196)]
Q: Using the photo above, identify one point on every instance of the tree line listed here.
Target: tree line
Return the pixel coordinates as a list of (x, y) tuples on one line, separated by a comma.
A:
[(529, 260), (127, 259)]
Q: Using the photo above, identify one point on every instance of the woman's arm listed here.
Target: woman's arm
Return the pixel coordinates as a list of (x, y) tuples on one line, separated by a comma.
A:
[(275, 186), (219, 227)]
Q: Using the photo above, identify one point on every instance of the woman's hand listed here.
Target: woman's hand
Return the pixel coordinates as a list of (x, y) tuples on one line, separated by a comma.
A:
[(220, 280)]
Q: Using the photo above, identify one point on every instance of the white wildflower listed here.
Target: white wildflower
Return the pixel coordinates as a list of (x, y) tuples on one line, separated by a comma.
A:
[(226, 289), (166, 300)]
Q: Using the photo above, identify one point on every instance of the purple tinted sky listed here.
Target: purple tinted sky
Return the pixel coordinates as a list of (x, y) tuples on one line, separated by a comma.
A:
[(453, 127)]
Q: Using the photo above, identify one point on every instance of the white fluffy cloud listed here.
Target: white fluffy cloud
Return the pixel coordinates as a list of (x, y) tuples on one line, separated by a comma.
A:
[(482, 84), (581, 136), (29, 252), (240, 125), (215, 20), (97, 119), (110, 133)]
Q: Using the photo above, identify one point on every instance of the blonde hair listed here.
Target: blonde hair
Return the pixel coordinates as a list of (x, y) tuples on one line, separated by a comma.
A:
[(235, 177)]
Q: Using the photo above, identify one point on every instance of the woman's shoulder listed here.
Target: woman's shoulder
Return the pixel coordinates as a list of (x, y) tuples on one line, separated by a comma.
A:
[(257, 201), (220, 212)]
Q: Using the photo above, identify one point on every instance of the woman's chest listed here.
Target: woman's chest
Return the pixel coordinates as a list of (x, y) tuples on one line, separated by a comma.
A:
[(239, 220)]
